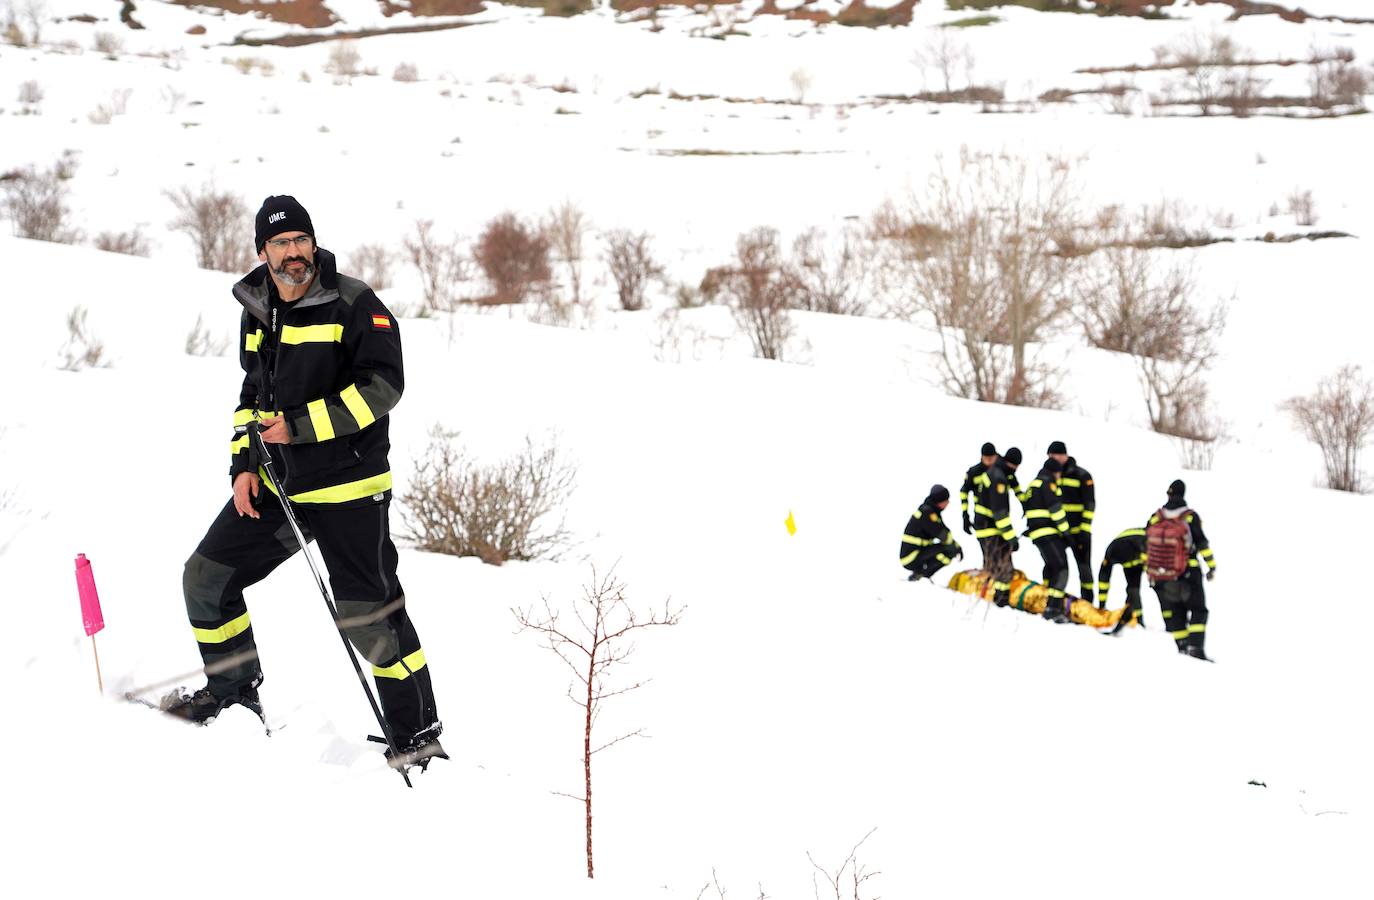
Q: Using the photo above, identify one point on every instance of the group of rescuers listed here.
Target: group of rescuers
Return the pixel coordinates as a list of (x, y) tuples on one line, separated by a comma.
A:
[(1059, 505)]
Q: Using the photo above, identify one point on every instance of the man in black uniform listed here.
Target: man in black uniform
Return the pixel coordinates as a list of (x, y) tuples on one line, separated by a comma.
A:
[(1080, 505), (1127, 550), (988, 457), (1047, 526), (992, 526), (927, 545), (1182, 600), (322, 363)]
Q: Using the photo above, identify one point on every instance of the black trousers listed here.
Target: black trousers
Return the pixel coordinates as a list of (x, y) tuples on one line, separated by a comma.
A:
[(1134, 608), (1054, 551), (927, 561), (1081, 544), (1183, 604), (355, 543), (997, 563)]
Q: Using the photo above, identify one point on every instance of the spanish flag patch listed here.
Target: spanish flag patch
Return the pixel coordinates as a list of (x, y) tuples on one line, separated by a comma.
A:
[(381, 323)]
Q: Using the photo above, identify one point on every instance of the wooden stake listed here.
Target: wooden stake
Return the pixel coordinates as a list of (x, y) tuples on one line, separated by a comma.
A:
[(98, 679)]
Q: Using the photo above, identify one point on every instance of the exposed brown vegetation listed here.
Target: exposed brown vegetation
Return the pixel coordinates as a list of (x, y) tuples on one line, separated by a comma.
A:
[(514, 257), (1338, 418)]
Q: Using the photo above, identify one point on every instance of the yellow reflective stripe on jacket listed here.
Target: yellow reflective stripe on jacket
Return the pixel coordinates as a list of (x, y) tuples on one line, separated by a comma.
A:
[(251, 342), (987, 533), (219, 635), (918, 541), (982, 510), (1073, 507), (242, 417), (319, 420), (1088, 513), (353, 399), (403, 669), (312, 334), (339, 493), (1070, 482), (238, 444)]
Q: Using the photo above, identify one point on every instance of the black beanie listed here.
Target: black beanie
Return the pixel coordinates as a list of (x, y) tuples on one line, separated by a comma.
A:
[(989, 449), (1057, 447), (938, 494), (1053, 465), (1178, 489), (279, 214), (1013, 455)]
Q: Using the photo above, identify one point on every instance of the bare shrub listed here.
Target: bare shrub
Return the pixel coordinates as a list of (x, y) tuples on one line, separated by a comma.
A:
[(632, 266), (1242, 91), (108, 43), (834, 278), (801, 84), (173, 98), (83, 350), (36, 202), (1205, 59), (567, 226), (117, 105), (1339, 418), (514, 257), (442, 266), (847, 882), (495, 512), (218, 222), (345, 60), (14, 35), (199, 341), (372, 263), (946, 58), (131, 243), (31, 93), (1334, 80), (761, 289), (406, 72), (989, 254), (1303, 207), (595, 644), (1129, 305)]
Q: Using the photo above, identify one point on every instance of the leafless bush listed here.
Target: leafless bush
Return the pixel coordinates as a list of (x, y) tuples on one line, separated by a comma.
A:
[(1168, 223), (83, 350), (514, 257), (834, 278), (1205, 59), (989, 254), (372, 263), (442, 266), (594, 646), (1338, 418), (30, 93), (566, 226), (406, 72), (761, 289), (117, 105), (847, 882), (495, 512), (1303, 207), (131, 243), (632, 266), (947, 59), (108, 43), (345, 60), (199, 341), (37, 204), (1334, 80), (801, 84), (1242, 91), (1120, 98), (218, 222), (173, 98), (14, 35), (1198, 453)]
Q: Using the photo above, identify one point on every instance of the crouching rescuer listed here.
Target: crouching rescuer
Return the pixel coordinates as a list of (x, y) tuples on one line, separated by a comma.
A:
[(322, 363), (927, 546)]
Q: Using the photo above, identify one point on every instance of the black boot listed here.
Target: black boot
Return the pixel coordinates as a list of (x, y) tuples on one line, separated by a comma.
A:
[(417, 750), (202, 707)]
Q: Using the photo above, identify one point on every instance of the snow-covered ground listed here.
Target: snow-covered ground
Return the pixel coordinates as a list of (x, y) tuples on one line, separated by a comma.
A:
[(810, 694)]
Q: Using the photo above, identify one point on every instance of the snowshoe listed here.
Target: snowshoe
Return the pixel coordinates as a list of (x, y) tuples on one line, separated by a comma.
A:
[(202, 707), (418, 751)]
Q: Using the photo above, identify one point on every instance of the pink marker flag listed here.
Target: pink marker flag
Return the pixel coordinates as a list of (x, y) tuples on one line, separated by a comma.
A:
[(91, 616)]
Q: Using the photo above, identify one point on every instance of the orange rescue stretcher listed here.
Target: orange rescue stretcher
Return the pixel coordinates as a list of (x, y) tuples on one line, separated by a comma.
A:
[(1032, 596)]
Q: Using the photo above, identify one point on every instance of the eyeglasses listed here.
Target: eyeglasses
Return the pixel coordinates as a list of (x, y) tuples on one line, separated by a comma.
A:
[(302, 241)]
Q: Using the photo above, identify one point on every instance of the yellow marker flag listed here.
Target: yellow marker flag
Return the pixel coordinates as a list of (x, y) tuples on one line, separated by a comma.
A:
[(791, 523)]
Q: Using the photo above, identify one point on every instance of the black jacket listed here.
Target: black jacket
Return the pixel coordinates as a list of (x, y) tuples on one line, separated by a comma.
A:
[(969, 486), (926, 535), (1126, 550), (1045, 516), (1079, 497), (992, 503), (330, 362)]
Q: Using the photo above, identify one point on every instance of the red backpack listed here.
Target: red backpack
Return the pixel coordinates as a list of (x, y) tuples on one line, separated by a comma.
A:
[(1169, 546)]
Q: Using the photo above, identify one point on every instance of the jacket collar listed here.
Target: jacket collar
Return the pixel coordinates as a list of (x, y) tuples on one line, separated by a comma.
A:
[(254, 290)]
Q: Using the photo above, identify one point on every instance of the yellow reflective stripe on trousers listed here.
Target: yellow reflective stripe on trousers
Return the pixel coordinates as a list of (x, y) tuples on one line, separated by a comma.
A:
[(319, 420), (339, 493), (251, 342), (1197, 629), (1038, 533), (982, 510), (223, 633), (357, 406), (312, 334), (910, 556), (403, 669), (987, 533)]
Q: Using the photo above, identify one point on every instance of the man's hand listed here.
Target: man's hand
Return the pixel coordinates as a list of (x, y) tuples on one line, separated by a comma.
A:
[(968, 526), (246, 487), (1211, 574), (274, 431)]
